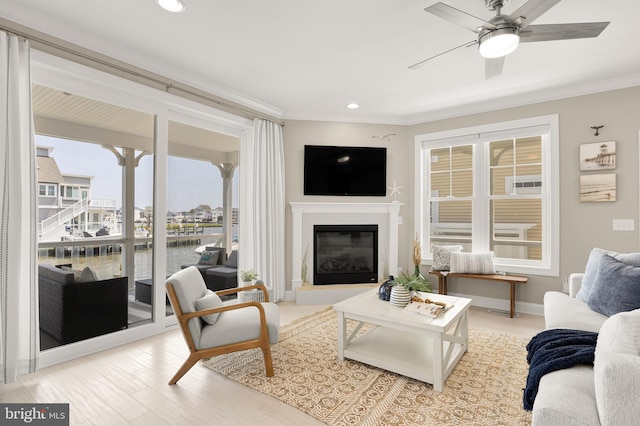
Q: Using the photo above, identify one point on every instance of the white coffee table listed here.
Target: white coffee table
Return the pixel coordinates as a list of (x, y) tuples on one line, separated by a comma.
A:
[(403, 342)]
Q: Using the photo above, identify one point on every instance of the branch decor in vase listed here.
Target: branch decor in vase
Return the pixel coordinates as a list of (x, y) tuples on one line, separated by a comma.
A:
[(417, 258)]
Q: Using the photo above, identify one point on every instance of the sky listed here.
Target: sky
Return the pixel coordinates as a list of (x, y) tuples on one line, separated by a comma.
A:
[(191, 182)]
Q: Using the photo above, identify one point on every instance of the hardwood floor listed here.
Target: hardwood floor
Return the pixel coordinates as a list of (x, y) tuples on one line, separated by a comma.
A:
[(127, 385)]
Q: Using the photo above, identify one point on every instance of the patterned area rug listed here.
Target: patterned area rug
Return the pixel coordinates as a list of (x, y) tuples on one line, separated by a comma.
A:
[(485, 388)]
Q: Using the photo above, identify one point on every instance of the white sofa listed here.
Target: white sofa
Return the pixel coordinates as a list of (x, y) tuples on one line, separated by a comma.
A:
[(605, 393)]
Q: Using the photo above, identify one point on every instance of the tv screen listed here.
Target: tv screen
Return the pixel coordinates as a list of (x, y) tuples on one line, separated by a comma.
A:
[(345, 170)]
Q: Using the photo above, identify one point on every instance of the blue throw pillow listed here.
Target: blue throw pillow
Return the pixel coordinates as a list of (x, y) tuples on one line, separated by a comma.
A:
[(616, 287), (592, 267)]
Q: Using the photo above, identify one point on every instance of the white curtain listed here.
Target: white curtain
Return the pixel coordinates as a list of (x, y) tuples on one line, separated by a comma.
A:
[(262, 219), (19, 330)]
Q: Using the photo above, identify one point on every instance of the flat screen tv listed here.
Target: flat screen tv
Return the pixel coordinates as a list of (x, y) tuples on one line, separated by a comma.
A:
[(345, 170)]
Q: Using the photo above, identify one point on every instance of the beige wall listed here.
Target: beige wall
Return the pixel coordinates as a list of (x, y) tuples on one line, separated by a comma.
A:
[(582, 225)]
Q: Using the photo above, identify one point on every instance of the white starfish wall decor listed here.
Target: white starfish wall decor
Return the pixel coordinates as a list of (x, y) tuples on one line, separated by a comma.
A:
[(395, 191)]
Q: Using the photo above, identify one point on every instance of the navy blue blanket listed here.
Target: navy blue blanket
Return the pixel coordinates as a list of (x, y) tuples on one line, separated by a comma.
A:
[(555, 349)]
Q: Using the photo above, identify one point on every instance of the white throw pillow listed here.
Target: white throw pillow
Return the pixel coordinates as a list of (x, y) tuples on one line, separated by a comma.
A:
[(208, 301), (441, 257), (473, 263)]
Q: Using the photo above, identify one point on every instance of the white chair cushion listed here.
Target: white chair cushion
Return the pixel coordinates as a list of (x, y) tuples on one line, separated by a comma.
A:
[(189, 287), (239, 325)]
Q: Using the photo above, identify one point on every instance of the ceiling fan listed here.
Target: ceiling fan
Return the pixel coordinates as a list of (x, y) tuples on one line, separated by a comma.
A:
[(501, 34)]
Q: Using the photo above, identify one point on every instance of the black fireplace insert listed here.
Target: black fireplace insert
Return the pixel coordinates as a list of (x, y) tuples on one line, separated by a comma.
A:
[(345, 254)]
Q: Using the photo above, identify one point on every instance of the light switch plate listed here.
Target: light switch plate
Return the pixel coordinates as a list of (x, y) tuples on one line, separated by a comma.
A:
[(623, 225)]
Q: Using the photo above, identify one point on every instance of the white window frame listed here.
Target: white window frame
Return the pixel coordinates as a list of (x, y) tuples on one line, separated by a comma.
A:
[(47, 189), (549, 265)]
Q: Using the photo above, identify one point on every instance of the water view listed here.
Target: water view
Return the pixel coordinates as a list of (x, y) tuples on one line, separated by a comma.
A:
[(106, 259)]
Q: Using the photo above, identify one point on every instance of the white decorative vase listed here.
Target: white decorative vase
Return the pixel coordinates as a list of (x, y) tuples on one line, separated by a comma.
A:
[(400, 296)]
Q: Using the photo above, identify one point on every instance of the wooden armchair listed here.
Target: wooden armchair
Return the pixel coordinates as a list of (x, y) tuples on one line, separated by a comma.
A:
[(211, 328)]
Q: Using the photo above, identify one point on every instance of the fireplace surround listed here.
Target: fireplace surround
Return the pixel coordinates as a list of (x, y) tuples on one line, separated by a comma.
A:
[(305, 215)]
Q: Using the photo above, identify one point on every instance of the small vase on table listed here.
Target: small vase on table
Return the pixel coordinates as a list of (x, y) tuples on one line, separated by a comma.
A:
[(400, 296)]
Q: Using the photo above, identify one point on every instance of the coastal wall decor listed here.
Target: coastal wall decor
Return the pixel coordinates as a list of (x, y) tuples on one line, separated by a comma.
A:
[(597, 156), (598, 187)]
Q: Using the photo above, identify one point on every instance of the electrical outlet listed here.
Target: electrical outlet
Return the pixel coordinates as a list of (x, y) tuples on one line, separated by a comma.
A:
[(623, 225)]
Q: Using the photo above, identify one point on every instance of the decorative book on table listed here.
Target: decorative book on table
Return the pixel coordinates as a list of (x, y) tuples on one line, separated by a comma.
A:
[(429, 309)]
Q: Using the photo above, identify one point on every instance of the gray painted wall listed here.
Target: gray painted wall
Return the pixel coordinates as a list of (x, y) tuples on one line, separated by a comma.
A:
[(582, 225)]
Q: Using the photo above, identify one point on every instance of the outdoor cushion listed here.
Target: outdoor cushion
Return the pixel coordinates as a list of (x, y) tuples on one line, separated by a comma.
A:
[(85, 275), (209, 258)]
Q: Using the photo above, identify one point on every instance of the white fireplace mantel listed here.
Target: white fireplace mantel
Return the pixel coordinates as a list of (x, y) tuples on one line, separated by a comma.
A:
[(307, 214)]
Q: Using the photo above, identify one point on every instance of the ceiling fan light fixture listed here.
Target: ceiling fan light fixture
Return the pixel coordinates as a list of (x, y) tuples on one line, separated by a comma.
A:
[(498, 43), (176, 6)]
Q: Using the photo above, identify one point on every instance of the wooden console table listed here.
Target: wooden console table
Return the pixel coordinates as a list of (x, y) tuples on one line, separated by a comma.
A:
[(511, 279)]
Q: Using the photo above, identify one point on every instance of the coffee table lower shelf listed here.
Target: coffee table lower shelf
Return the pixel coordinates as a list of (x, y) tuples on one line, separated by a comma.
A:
[(404, 352)]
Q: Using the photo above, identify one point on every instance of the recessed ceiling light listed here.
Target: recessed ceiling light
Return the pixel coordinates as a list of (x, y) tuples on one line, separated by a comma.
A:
[(172, 5), (353, 105)]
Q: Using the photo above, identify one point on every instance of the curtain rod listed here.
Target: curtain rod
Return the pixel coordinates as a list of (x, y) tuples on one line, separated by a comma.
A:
[(114, 64)]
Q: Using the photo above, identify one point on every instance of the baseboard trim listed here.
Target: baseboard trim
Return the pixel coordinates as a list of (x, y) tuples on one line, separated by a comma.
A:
[(329, 297), (502, 304)]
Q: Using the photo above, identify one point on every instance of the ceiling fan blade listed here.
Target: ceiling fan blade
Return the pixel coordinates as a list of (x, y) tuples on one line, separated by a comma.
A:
[(451, 14), (561, 31), (493, 67), (421, 63), (530, 11)]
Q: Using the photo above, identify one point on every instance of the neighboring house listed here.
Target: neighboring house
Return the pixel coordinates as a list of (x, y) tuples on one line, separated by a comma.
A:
[(200, 213), (49, 182), (171, 217), (65, 206), (216, 215)]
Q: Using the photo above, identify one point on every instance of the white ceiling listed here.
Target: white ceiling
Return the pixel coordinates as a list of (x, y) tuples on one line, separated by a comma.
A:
[(297, 59)]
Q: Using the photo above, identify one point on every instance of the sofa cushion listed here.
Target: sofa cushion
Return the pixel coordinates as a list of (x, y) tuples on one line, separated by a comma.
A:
[(617, 369), (472, 263), (562, 311), (442, 256), (620, 333), (208, 301), (616, 383), (592, 267), (566, 397), (616, 287)]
